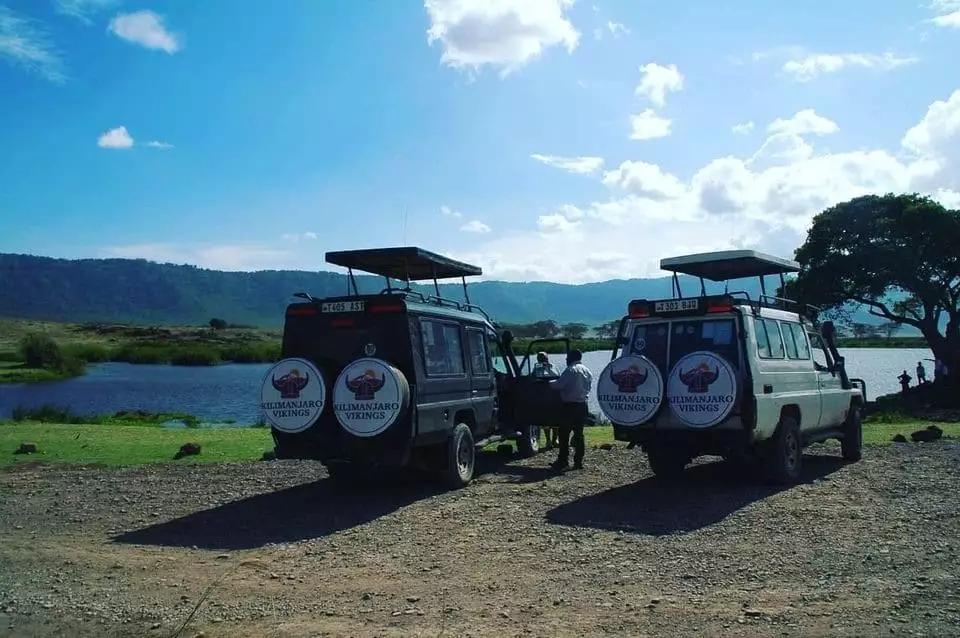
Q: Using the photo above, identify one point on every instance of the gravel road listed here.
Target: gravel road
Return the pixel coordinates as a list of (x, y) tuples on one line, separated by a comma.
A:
[(276, 549)]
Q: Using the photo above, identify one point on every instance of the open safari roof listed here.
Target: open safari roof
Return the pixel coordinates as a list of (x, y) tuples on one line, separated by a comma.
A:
[(405, 263), (729, 264)]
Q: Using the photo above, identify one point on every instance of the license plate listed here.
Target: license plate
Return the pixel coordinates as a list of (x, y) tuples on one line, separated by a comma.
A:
[(342, 306), (676, 305)]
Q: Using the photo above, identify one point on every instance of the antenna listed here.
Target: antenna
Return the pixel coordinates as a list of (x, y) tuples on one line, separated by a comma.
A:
[(406, 209)]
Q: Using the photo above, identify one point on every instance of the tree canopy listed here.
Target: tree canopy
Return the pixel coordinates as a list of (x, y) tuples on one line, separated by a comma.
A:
[(897, 255)]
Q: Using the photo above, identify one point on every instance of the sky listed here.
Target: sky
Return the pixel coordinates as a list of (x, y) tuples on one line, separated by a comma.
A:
[(558, 140)]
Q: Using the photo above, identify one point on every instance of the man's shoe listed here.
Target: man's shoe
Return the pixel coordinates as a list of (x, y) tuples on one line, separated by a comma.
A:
[(559, 466), (578, 466)]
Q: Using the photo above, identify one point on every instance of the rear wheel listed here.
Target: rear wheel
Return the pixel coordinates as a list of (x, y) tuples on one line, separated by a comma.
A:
[(528, 444), (461, 457), (782, 458), (667, 463), (852, 442)]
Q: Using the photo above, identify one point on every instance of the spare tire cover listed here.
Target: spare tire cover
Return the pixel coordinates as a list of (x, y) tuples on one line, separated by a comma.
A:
[(369, 396), (630, 390), (701, 389), (292, 395)]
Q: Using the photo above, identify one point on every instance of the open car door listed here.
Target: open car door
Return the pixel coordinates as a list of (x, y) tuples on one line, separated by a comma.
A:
[(536, 403)]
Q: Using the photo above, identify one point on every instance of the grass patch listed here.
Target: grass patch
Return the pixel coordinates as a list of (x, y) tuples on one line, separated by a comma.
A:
[(125, 445), (16, 372), (56, 414)]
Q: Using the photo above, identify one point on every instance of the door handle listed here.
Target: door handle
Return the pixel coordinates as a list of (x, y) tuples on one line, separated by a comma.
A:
[(768, 389)]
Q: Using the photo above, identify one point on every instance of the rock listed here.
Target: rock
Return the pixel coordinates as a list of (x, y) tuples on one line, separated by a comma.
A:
[(187, 449), (27, 447), (752, 613), (899, 438), (930, 433), (413, 599)]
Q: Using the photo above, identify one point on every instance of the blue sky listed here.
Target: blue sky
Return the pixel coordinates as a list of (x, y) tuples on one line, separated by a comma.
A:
[(542, 139)]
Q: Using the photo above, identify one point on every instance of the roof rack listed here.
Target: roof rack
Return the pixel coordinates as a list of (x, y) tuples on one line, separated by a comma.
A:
[(407, 264), (725, 265)]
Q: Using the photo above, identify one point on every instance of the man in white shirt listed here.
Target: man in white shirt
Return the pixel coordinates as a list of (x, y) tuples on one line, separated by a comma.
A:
[(574, 386)]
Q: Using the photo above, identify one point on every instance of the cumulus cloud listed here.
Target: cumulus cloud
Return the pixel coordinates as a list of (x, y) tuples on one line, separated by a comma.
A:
[(743, 128), (583, 165), (446, 211), (658, 81), (809, 67), (947, 13), (146, 29), (116, 138), (505, 35), (762, 201), (25, 43), (475, 226), (648, 126)]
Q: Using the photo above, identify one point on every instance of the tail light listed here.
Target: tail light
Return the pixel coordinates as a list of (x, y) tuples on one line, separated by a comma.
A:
[(638, 309), (722, 304)]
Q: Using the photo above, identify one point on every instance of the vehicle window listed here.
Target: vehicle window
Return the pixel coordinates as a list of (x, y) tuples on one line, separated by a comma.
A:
[(715, 335), (479, 362), (442, 350), (763, 342), (496, 356), (789, 340), (774, 340), (650, 340), (819, 352), (800, 337)]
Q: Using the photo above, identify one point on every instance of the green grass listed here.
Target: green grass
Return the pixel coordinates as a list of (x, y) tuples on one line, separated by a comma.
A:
[(15, 372), (123, 444), (58, 415)]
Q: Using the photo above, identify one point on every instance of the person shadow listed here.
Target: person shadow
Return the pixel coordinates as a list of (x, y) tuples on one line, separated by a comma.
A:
[(704, 494)]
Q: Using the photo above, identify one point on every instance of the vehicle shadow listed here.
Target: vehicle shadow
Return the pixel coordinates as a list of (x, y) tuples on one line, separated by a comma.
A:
[(706, 494), (306, 511)]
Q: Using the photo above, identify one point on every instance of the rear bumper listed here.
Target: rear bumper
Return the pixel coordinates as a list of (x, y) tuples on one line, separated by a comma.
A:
[(707, 441), (327, 442)]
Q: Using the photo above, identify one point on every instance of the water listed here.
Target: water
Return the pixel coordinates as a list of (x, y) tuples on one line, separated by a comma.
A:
[(230, 393)]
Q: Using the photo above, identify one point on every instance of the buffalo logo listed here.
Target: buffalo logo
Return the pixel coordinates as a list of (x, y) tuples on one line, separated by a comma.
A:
[(291, 384), (629, 379), (365, 386), (698, 379)]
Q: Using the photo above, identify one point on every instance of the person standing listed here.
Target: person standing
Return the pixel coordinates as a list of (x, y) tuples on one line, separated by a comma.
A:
[(921, 373), (574, 386)]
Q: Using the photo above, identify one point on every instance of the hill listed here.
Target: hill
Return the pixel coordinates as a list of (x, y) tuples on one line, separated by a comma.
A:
[(137, 291)]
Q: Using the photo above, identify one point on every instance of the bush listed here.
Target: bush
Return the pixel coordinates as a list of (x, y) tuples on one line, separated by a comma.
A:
[(39, 350)]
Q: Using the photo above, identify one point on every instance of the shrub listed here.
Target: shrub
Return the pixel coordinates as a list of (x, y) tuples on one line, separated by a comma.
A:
[(39, 350)]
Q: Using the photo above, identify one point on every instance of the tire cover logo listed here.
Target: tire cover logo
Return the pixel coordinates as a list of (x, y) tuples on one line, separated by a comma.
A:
[(701, 389), (630, 390), (369, 396), (292, 395)]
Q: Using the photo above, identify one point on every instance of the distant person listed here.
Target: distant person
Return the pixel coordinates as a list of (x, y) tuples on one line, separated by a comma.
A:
[(574, 386), (904, 381), (543, 368), (921, 373)]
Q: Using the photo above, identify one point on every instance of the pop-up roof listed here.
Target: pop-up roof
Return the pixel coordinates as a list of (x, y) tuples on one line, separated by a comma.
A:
[(405, 263), (729, 264)]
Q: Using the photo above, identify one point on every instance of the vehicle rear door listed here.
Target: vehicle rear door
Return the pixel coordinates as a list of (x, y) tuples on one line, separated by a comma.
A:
[(536, 402), (483, 383)]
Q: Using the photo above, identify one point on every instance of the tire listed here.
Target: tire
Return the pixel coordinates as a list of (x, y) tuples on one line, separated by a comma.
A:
[(666, 463), (461, 457), (783, 457), (346, 473), (528, 444), (852, 442)]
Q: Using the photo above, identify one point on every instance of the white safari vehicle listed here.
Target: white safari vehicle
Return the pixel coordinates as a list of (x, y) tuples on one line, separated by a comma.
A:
[(725, 374)]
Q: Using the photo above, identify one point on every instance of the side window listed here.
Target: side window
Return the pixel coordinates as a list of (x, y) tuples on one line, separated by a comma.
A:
[(442, 350), (819, 352), (773, 338), (496, 356), (789, 340), (479, 361), (763, 344), (800, 337)]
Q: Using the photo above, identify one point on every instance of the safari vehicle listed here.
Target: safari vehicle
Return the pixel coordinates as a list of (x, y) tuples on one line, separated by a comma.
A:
[(725, 374), (400, 378)]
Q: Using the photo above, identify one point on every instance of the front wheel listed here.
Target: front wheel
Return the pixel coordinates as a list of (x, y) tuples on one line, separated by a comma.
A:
[(461, 457), (852, 442), (782, 458), (528, 444)]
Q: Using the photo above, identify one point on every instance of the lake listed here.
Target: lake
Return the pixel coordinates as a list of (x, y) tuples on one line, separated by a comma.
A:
[(228, 394)]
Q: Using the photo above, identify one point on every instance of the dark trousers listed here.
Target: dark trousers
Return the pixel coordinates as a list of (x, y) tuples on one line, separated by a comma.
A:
[(574, 417)]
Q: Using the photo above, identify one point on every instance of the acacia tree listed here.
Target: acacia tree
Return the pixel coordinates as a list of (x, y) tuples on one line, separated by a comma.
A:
[(896, 255)]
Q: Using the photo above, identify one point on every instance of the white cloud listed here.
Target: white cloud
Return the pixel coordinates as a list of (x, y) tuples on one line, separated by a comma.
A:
[(476, 33), (578, 165), (298, 237), (449, 212), (616, 29), (743, 129), (159, 145), (764, 201), (803, 123), (648, 126), (809, 67), (475, 226), (83, 9), (26, 44), (115, 138), (145, 28), (948, 13), (236, 257), (659, 80)]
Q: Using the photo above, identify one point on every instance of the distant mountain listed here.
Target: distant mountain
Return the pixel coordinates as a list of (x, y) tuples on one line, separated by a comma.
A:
[(137, 291)]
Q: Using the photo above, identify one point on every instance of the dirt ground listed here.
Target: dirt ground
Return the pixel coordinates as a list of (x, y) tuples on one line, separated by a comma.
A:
[(276, 549)]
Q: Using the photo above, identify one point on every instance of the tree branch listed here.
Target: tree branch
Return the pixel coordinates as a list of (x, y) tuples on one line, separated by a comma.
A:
[(885, 312)]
